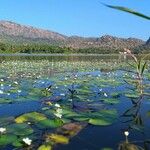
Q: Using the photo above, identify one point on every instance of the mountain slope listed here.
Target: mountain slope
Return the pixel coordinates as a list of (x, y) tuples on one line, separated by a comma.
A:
[(11, 32), (106, 41), (20, 33), (144, 48)]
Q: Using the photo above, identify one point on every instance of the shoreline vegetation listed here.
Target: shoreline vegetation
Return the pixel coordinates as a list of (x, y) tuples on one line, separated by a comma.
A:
[(64, 54), (118, 57), (7, 48)]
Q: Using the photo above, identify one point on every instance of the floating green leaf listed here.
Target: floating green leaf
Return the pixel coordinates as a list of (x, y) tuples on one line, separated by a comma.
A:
[(5, 101), (21, 129), (6, 120), (7, 139), (17, 143), (56, 138), (100, 121), (128, 146), (148, 113), (50, 123), (106, 148), (134, 95), (45, 147), (33, 117), (103, 117), (110, 100)]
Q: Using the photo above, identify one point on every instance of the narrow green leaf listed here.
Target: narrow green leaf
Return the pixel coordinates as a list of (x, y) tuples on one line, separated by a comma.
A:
[(143, 68), (139, 64), (129, 11)]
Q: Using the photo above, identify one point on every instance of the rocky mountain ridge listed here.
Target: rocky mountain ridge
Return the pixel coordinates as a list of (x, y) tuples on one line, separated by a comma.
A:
[(16, 33)]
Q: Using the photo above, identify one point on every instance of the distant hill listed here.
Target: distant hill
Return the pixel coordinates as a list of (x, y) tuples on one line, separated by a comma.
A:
[(144, 48), (15, 33)]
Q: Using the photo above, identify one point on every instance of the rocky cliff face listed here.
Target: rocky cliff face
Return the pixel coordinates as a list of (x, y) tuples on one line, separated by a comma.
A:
[(16, 33), (106, 41)]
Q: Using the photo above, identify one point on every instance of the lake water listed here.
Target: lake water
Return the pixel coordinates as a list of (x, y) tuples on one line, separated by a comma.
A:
[(72, 102)]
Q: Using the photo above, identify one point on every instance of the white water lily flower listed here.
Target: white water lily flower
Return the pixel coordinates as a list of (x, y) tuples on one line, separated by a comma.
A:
[(105, 95), (70, 100), (2, 130), (19, 91), (2, 84), (1, 92), (29, 123), (2, 80), (126, 133), (16, 82), (62, 94), (57, 105), (59, 110), (27, 141), (100, 90), (58, 115)]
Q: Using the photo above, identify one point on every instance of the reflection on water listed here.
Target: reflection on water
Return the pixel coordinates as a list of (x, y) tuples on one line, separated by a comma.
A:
[(85, 84)]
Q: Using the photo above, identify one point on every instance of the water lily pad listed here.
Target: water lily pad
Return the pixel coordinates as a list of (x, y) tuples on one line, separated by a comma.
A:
[(103, 117), (20, 129), (106, 148), (72, 129), (110, 100), (56, 138), (148, 113), (100, 121), (50, 123), (128, 146), (134, 95), (45, 147), (65, 120), (32, 117), (115, 95), (7, 139), (81, 118), (6, 120), (68, 113), (5, 101), (17, 143)]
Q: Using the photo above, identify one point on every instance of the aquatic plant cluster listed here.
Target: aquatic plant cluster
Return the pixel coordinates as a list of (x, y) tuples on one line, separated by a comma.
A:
[(67, 97)]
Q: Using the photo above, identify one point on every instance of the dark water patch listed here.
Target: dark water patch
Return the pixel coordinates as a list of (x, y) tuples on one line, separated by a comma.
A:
[(19, 108)]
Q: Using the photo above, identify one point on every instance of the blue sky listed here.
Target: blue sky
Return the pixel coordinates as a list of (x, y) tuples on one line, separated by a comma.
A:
[(87, 18)]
